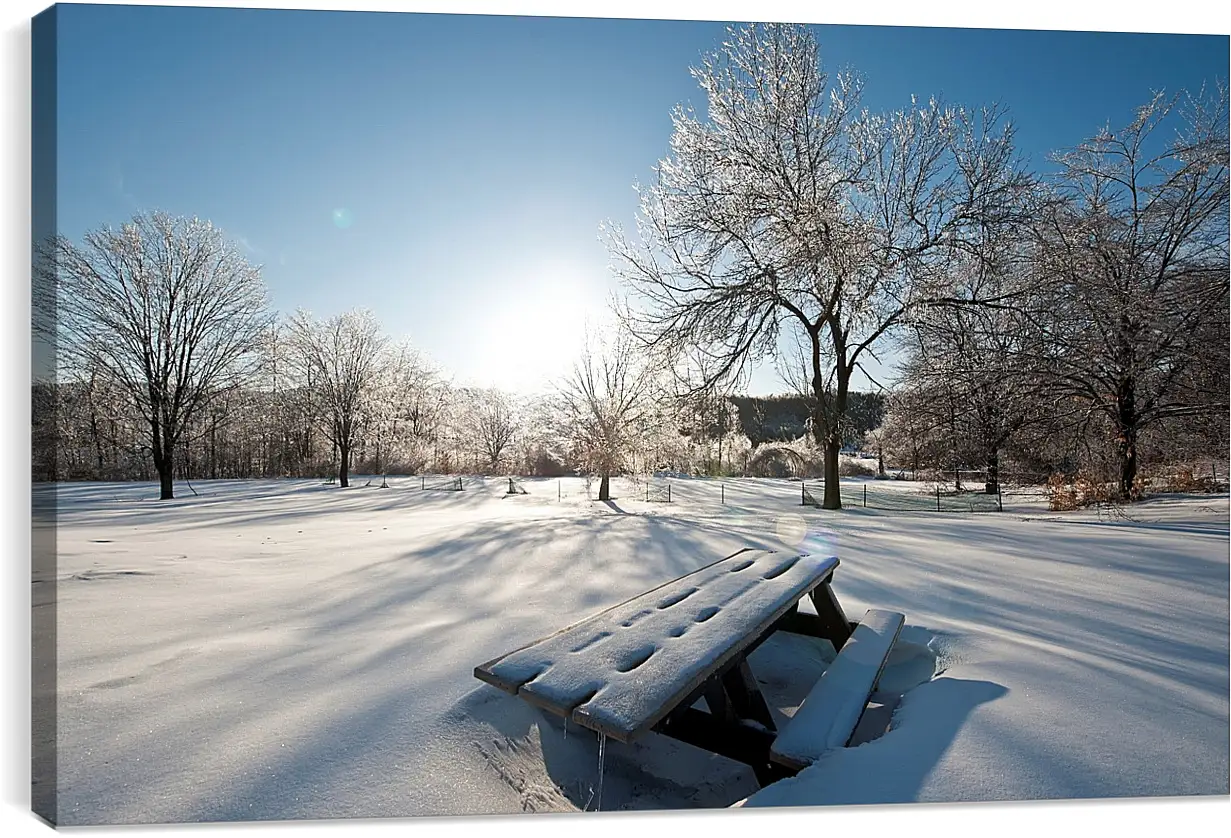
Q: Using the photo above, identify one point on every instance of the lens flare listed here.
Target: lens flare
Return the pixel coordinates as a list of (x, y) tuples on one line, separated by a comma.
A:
[(820, 542), (794, 532), (791, 529), (343, 218)]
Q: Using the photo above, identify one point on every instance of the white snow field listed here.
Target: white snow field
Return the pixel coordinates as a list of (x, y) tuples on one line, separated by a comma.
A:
[(287, 650)]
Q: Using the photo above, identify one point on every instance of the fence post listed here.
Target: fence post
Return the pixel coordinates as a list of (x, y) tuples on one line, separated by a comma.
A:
[(803, 493), (865, 495), (559, 490), (723, 488), (999, 499), (422, 482), (938, 498), (668, 491)]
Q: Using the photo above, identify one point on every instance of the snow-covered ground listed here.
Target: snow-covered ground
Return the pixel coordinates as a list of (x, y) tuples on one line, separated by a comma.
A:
[(284, 649)]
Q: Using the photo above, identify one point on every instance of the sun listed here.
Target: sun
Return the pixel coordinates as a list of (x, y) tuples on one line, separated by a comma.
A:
[(532, 335)]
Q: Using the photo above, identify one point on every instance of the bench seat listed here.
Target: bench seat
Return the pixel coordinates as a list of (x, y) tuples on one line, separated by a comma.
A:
[(831, 711), (621, 671)]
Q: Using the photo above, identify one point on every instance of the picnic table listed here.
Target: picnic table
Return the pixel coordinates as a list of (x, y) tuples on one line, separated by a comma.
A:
[(642, 665)]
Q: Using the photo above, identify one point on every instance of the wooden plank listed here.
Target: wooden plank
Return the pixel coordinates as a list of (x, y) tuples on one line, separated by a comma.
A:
[(621, 671), (831, 711), (801, 622), (629, 706), (874, 723), (487, 671)]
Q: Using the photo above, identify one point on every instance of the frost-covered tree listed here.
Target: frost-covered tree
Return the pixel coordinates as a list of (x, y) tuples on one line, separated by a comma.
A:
[(913, 434), (167, 309), (543, 439), (493, 422), (396, 409), (789, 208), (1133, 252), (339, 360), (607, 401), (420, 396), (289, 407), (705, 415), (975, 358)]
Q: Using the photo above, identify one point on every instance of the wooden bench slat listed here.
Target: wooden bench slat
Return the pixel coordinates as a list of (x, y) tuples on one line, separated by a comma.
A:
[(830, 712), (621, 671)]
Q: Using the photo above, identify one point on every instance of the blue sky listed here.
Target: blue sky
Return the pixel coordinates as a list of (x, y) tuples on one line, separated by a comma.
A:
[(451, 172)]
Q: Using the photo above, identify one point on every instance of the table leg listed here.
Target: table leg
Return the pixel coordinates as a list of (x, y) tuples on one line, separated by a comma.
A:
[(720, 705), (738, 725), (741, 741), (745, 694), (833, 623)]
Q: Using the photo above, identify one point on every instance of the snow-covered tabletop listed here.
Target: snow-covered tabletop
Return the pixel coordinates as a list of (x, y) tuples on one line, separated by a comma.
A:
[(621, 671)]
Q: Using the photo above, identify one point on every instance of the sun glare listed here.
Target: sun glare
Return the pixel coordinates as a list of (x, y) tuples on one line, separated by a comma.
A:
[(532, 334)]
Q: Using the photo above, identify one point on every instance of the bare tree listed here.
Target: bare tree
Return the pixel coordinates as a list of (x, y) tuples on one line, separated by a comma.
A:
[(1134, 255), (492, 416), (393, 407), (418, 397), (167, 308), (701, 402), (606, 402), (543, 436), (342, 356), (977, 363), (792, 208), (911, 435)]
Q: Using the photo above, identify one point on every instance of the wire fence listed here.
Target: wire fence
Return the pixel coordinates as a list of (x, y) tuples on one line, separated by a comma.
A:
[(658, 491), (932, 498), (930, 491), (937, 499)]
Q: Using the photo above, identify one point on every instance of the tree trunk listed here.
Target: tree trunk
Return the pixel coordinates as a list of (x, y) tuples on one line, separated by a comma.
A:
[(827, 433), (98, 442), (1126, 439), (344, 465), (833, 489), (957, 476), (992, 486), (213, 446), (1126, 447), (604, 487), (163, 462)]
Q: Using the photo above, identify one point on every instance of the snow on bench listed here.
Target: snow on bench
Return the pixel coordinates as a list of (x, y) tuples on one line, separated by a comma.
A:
[(623, 670), (831, 711)]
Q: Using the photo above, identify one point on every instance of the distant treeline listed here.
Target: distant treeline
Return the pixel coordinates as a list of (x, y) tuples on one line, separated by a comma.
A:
[(87, 430), (783, 418)]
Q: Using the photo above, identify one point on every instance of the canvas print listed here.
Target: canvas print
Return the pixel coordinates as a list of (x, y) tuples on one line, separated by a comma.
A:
[(461, 415)]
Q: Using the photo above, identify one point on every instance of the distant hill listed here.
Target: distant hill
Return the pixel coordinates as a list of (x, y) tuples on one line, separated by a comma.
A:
[(780, 418)]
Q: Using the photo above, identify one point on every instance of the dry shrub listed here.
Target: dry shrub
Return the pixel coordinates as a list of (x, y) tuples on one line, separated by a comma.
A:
[(1066, 493), (1183, 478), (849, 467), (1180, 479)]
